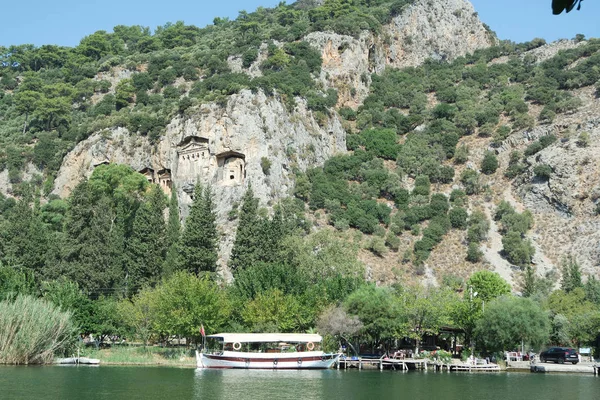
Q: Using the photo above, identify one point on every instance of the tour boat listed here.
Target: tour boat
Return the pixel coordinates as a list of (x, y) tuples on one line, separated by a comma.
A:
[(264, 351)]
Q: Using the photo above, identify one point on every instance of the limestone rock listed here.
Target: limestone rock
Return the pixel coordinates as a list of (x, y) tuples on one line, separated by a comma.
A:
[(440, 29)]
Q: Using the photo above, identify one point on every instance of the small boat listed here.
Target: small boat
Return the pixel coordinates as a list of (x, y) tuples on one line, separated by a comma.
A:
[(78, 360), (265, 351)]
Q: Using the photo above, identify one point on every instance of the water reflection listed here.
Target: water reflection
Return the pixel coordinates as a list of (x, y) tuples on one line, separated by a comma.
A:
[(156, 383), (262, 384)]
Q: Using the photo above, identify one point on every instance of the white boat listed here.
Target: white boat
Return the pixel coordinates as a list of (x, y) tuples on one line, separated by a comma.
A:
[(265, 351), (78, 360)]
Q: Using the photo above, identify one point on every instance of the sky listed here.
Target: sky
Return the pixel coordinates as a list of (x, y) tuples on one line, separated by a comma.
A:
[(66, 22)]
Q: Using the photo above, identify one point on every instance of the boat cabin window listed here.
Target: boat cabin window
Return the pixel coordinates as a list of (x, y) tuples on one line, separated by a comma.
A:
[(217, 345), (267, 347)]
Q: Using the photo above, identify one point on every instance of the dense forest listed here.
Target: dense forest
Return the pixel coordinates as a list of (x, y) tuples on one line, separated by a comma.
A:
[(116, 254)]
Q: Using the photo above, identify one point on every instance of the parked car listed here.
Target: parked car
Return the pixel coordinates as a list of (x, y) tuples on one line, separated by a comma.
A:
[(560, 355)]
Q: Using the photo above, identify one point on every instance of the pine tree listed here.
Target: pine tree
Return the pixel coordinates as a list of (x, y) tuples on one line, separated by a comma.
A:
[(173, 233), (146, 248), (571, 274), (529, 281), (93, 254), (246, 238), (24, 239), (198, 244)]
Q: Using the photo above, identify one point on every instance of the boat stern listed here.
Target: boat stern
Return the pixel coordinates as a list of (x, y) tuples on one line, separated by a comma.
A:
[(199, 358)]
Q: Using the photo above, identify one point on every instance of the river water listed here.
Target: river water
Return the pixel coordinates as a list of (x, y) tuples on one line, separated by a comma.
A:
[(116, 383)]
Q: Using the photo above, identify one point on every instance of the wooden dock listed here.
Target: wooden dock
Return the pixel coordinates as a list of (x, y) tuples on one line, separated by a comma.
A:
[(473, 367), (382, 363)]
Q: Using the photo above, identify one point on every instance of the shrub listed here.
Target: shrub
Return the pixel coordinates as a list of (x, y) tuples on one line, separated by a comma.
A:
[(517, 250), (474, 254), (470, 180), (32, 331), (341, 224), (543, 171), (265, 164), (458, 198), (458, 218), (583, 140), (381, 143), (392, 241), (377, 246), (348, 114), (503, 209), (547, 140), (439, 204), (547, 115), (461, 155), (489, 165), (533, 148), (422, 186), (249, 57), (515, 222), (478, 227), (171, 92)]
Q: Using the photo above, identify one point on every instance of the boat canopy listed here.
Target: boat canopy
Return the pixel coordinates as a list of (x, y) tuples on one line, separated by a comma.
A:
[(267, 337)]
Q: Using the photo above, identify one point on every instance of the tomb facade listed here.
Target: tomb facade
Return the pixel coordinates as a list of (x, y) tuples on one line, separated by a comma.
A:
[(232, 168)]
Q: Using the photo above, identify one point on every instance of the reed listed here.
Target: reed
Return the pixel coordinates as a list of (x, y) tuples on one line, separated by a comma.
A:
[(133, 355), (33, 330)]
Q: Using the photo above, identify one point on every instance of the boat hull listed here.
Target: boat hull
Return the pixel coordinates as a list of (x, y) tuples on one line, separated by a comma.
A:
[(241, 360)]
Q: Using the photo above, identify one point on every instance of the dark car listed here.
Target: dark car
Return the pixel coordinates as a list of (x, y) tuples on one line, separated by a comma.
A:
[(560, 355)]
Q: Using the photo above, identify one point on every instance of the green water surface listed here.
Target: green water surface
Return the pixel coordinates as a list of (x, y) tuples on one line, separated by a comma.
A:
[(115, 383)]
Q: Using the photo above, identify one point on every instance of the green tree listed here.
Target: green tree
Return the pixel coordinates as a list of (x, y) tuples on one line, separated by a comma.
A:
[(14, 281), (25, 239), (184, 302), (198, 244), (146, 247), (67, 295), (379, 312), (510, 321), (582, 316), (172, 234), (488, 285), (571, 274), (426, 310), (273, 310), (26, 102), (139, 314), (246, 240)]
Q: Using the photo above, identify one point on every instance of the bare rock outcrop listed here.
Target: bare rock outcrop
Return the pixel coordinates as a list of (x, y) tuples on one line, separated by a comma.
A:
[(427, 29)]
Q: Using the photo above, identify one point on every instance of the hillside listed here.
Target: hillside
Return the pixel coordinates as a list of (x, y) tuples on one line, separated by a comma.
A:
[(405, 126)]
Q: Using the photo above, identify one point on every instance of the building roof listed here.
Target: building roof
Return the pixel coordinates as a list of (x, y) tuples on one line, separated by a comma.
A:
[(267, 337)]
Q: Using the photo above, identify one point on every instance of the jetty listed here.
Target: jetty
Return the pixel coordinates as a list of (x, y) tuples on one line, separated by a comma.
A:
[(585, 367), (402, 364), (466, 367), (406, 364)]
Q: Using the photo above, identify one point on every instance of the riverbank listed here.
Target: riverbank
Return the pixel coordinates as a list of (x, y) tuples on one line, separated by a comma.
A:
[(145, 356)]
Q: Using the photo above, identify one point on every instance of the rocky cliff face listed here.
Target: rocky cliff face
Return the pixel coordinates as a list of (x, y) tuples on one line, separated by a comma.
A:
[(252, 126), (428, 29), (254, 139)]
